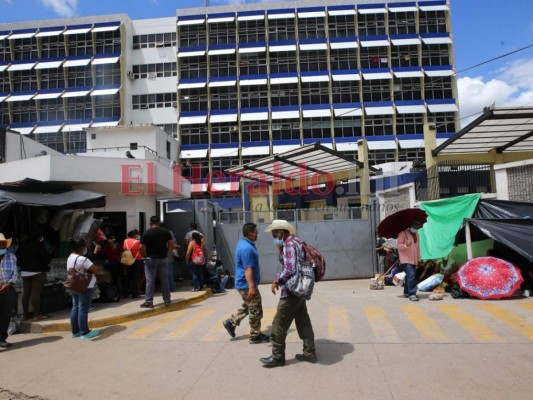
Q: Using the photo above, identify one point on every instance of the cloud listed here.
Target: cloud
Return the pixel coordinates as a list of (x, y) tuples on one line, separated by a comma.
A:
[(512, 87), (64, 8)]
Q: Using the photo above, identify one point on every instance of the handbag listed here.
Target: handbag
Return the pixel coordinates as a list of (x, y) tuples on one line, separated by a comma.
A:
[(77, 281)]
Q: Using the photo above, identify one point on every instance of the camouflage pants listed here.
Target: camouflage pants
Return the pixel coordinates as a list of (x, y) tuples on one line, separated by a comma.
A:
[(253, 308)]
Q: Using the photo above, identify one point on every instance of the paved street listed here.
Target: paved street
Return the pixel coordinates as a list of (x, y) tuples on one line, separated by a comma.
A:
[(370, 345)]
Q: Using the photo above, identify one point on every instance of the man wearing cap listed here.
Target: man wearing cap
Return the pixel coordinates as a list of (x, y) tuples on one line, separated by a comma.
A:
[(290, 307), (247, 278), (156, 242), (8, 295)]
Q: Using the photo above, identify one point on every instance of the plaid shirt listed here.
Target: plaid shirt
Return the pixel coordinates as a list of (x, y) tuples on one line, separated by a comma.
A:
[(292, 251), (8, 269)]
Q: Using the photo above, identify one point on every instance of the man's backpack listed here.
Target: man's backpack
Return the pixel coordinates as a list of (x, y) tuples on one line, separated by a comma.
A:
[(198, 256), (316, 260)]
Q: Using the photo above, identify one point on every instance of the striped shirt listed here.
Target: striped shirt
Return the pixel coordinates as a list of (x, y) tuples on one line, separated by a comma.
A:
[(8, 269)]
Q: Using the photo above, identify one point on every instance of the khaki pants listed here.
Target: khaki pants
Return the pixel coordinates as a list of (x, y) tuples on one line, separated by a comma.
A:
[(289, 309), (253, 308)]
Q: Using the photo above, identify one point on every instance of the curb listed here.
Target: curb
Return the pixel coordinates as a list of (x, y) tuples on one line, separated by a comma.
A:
[(117, 319)]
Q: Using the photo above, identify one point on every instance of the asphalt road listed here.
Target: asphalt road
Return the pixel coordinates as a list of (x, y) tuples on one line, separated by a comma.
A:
[(370, 345)]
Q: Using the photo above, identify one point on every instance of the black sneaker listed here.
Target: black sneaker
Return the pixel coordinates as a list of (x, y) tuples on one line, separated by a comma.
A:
[(311, 358), (261, 338), (167, 303), (5, 345), (229, 327), (147, 305)]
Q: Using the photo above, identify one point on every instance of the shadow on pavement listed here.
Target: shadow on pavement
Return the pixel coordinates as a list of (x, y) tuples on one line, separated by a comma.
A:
[(109, 331), (334, 353), (35, 342)]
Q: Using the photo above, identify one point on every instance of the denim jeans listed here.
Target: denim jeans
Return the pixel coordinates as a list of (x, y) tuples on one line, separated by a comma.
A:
[(153, 267), (79, 315), (8, 301), (197, 276), (171, 278), (224, 281), (409, 286)]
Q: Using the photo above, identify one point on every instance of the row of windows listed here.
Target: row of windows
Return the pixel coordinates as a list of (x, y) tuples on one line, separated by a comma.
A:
[(60, 109), (155, 100), (160, 70), (154, 40), (57, 78), (60, 46), (289, 61), (316, 128), (219, 98), (312, 28)]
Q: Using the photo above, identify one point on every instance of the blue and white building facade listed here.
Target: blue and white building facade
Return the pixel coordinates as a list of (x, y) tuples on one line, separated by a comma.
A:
[(237, 83)]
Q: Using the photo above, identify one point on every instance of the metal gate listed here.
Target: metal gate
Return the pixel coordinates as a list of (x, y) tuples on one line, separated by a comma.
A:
[(345, 239)]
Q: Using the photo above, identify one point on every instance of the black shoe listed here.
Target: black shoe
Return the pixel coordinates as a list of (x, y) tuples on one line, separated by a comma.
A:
[(271, 362), (261, 338), (229, 327), (311, 358), (5, 345), (147, 305), (167, 303)]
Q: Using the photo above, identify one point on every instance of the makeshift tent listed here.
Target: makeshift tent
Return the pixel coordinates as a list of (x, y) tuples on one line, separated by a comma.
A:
[(444, 220)]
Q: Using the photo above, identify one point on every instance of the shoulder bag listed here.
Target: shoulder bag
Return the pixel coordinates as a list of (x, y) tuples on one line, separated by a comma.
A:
[(76, 281)]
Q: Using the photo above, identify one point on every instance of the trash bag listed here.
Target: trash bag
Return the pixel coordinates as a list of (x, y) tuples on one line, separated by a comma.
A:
[(430, 283), (14, 325)]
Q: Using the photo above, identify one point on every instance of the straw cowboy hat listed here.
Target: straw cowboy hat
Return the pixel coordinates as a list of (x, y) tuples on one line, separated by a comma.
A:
[(280, 224), (3, 239)]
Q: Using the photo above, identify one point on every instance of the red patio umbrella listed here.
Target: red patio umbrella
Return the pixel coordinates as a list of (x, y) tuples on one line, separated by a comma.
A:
[(395, 223), (489, 278)]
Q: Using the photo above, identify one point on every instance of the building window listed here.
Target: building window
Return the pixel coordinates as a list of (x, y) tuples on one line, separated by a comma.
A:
[(439, 87), (225, 133), (381, 156), (374, 57), (252, 63), (55, 141), (53, 78), (52, 46), (76, 141), (444, 122), (254, 96), (224, 98), (284, 95), (170, 129), (315, 60), (153, 40), (409, 124), (404, 56), (80, 45), (341, 26), (107, 74), (378, 125), (154, 100), (4, 113), (311, 28), (161, 70), (25, 49), (79, 108), (282, 62), (347, 127), (435, 54), (345, 92), (411, 154), (5, 51), (432, 22), (79, 76), (107, 106), (223, 65), (376, 90), (192, 35), (24, 111), (192, 67), (224, 163), (222, 33), (24, 80), (343, 59), (316, 128), (51, 110), (193, 100), (407, 89), (281, 29), (255, 131), (402, 23), (108, 42), (286, 129), (193, 134), (315, 93), (252, 31), (371, 25)]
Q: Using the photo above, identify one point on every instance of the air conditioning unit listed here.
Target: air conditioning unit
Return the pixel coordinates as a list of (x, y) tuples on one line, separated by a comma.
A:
[(130, 75), (152, 75)]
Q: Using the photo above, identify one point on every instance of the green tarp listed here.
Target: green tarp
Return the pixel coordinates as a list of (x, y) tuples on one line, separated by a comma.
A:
[(445, 217)]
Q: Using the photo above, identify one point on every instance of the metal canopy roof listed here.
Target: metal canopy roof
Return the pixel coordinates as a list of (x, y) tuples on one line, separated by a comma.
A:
[(505, 129), (305, 161)]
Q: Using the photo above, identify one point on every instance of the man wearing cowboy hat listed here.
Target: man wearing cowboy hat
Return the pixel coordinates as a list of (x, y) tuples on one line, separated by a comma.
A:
[(8, 295), (290, 307)]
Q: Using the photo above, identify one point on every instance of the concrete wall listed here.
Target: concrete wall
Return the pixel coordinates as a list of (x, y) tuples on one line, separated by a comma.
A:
[(20, 147), (514, 181)]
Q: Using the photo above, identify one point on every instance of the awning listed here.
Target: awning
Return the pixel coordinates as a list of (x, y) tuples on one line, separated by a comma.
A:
[(106, 59), (405, 40), (376, 73), (348, 110), (191, 52), (402, 7), (313, 44), (439, 70), (408, 72), (23, 34), (102, 122), (280, 79), (346, 75), (46, 64), (288, 45), (104, 91), (78, 29), (220, 17), (191, 20), (433, 5), (50, 31), (77, 92), (255, 151), (192, 119), (75, 127), (222, 49), (222, 81), (48, 94), (343, 43), (53, 128), (217, 152), (316, 158), (379, 108), (311, 12), (73, 199), (193, 153), (314, 76), (219, 116), (374, 41), (21, 96), (436, 38), (250, 15), (442, 105), (106, 26), (281, 14), (191, 83), (285, 112), (316, 111), (254, 114), (505, 129), (341, 10), (372, 8), (381, 144), (78, 62), (21, 66), (257, 47), (249, 80), (411, 107)]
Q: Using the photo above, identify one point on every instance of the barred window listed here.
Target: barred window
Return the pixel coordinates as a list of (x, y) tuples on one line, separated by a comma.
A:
[(192, 35), (286, 129), (407, 89), (52, 46), (154, 100), (311, 28), (24, 80), (51, 110), (347, 127), (252, 31), (24, 111), (193, 67), (255, 131), (409, 124), (341, 26), (80, 45), (153, 40), (225, 133), (378, 125), (402, 23), (432, 22), (79, 107), (160, 70), (79, 76), (107, 74), (193, 100)]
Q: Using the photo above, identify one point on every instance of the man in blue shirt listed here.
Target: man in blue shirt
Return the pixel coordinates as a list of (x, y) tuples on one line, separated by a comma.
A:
[(247, 277)]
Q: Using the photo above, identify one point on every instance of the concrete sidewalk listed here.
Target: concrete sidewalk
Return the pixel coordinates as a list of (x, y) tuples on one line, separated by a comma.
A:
[(107, 314)]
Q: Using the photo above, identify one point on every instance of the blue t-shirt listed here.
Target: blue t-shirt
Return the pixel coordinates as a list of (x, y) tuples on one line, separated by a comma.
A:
[(246, 256)]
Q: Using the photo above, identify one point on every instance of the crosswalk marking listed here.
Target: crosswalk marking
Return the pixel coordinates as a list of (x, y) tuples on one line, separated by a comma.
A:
[(427, 328), (187, 326), (339, 324), (527, 306), (157, 324), (381, 325), (513, 321), (470, 324)]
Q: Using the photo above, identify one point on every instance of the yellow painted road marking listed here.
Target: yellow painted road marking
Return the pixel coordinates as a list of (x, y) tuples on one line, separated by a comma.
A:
[(424, 324), (381, 325), (339, 324), (469, 323), (157, 324), (513, 321), (218, 331), (187, 326), (527, 306)]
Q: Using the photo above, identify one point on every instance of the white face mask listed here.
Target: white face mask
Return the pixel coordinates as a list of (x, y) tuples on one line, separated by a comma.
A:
[(413, 230), (279, 242), (3, 251)]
